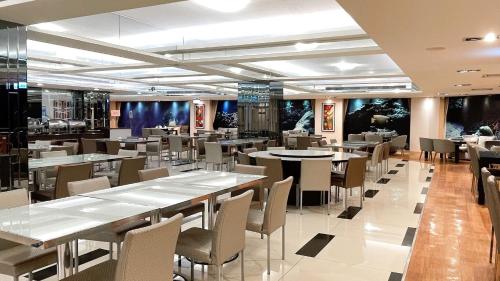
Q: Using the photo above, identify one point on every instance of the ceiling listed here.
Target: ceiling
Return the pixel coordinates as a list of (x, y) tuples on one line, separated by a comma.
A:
[(183, 47)]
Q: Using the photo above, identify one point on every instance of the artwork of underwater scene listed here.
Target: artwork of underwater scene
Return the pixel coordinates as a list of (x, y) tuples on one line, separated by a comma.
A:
[(138, 115), (384, 116), (474, 115), (297, 115), (226, 115)]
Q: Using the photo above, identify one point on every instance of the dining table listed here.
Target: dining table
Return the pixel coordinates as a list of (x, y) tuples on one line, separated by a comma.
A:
[(58, 223), (350, 146)]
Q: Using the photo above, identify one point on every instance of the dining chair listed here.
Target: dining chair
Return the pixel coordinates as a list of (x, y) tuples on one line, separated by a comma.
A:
[(145, 132), (474, 162), (68, 149), (495, 148), (147, 255), (49, 174), (374, 138), (353, 176), (214, 247), (443, 146), (376, 160), (303, 142), (18, 259), (314, 144), (322, 142), (215, 156), (176, 146), (89, 146), (271, 143), (333, 141), (243, 158), (65, 174), (260, 146), (495, 215), (386, 153), (490, 204), (319, 148), (355, 137), (43, 142), (276, 148), (273, 217), (200, 151), (426, 145), (154, 149), (399, 143), (249, 150), (111, 235), (274, 170), (128, 171), (112, 147), (259, 192), (491, 143), (73, 144), (315, 176), (291, 142)]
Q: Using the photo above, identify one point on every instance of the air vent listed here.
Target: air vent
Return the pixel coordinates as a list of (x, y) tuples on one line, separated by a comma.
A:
[(494, 75), (482, 89), (472, 39), (366, 88)]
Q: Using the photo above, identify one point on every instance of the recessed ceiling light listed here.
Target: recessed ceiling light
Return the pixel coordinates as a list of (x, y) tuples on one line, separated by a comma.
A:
[(306, 46), (437, 48), (462, 85), (490, 37), (236, 70), (139, 93), (167, 55), (224, 6), (96, 89), (346, 65), (465, 70), (49, 27), (39, 84)]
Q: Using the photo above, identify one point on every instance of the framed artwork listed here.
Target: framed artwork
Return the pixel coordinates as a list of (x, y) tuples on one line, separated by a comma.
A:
[(199, 116), (328, 117)]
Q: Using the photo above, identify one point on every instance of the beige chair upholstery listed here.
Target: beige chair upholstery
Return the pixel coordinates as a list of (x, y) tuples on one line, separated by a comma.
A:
[(314, 144), (354, 176), (128, 152), (151, 174), (494, 202), (426, 145), (129, 171), (444, 147), (374, 138), (200, 151), (355, 137), (303, 142), (65, 174), (89, 146), (376, 160), (75, 145), (274, 148), (147, 255), (249, 150), (271, 143), (113, 147), (90, 185), (260, 146), (322, 142), (215, 156), (258, 195), (386, 152), (176, 146), (243, 158), (399, 143), (274, 170), (474, 162), (333, 141), (68, 148), (291, 142), (489, 199), (227, 239), (56, 153), (495, 148), (273, 217), (17, 259), (154, 148), (315, 175)]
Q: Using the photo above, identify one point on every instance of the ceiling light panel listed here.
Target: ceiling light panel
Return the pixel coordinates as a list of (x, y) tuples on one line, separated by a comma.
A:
[(131, 73), (208, 78)]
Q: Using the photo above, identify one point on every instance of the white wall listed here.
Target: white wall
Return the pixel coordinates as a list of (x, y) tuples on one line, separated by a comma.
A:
[(426, 120), (339, 119)]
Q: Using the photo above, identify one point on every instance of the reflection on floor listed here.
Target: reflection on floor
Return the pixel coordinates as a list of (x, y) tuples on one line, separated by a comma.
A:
[(372, 243)]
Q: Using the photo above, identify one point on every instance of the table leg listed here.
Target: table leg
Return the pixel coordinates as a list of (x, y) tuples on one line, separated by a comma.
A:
[(64, 260), (212, 200), (457, 153)]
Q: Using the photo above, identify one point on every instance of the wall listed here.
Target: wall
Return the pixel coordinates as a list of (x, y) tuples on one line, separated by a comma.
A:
[(339, 119), (427, 120)]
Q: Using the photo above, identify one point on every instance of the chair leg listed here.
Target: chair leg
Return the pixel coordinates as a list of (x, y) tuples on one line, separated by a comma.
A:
[(110, 250), (328, 203), (491, 243), (345, 199), (30, 276), (16, 278), (242, 254), (219, 273), (118, 250), (203, 219), (77, 258), (192, 270), (268, 254), (283, 242), (179, 261), (421, 152), (301, 202), (361, 196)]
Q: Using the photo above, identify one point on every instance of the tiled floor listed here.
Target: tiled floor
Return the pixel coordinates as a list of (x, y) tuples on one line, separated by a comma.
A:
[(373, 245)]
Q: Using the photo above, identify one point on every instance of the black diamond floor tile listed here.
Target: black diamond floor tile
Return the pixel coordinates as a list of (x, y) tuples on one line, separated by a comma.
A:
[(315, 245), (400, 165), (350, 213), (395, 276), (370, 193), (428, 179), (383, 180), (418, 208), (425, 190), (393, 172), (409, 235)]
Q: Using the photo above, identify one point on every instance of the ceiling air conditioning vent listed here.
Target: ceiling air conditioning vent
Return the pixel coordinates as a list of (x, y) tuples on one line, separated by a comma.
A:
[(482, 89), (494, 75), (365, 88)]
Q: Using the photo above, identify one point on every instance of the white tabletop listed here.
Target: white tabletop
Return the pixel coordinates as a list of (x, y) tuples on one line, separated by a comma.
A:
[(241, 141), (336, 157), (301, 153), (55, 222), (72, 159), (352, 145)]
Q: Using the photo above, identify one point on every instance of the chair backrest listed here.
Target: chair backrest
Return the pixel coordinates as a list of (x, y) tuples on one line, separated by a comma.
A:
[(276, 148), (271, 143), (274, 169), (482, 140), (320, 148), (157, 132), (175, 143), (112, 147), (355, 137), (399, 141), (489, 144), (443, 146), (250, 169), (230, 227), (355, 172), (74, 145), (495, 205), (200, 147), (127, 152), (154, 143), (151, 174), (129, 170), (68, 149), (377, 155), (322, 142), (70, 173), (275, 212), (50, 154), (148, 252), (332, 141), (315, 174), (314, 144), (146, 132), (212, 138), (426, 144), (249, 150), (243, 158), (43, 142), (386, 150), (291, 141), (303, 142), (260, 146), (85, 186), (488, 199), (89, 146), (495, 148), (213, 152), (374, 138), (14, 198)]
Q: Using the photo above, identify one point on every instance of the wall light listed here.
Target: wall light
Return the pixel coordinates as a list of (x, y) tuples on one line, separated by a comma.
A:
[(236, 70), (490, 37), (224, 6)]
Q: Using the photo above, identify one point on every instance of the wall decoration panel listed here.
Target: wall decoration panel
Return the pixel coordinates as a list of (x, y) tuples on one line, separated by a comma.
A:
[(377, 115), (226, 115), (479, 115), (199, 116), (328, 117), (138, 115), (297, 115)]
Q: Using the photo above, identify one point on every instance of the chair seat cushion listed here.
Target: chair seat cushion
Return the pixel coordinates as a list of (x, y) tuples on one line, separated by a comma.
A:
[(116, 234), (43, 195), (195, 243), (255, 220), (22, 259), (103, 271), (186, 211)]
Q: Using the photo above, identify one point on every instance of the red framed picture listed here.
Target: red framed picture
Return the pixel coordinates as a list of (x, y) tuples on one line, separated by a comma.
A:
[(199, 116), (328, 117)]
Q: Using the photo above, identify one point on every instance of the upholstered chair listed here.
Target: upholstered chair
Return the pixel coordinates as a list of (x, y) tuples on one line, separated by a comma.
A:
[(354, 176), (315, 176)]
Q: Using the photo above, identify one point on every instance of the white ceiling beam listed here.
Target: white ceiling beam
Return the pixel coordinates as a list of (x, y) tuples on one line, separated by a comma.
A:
[(337, 77), (38, 11), (76, 70), (58, 60)]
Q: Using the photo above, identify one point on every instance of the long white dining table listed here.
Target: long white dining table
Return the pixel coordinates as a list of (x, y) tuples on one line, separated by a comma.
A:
[(59, 222)]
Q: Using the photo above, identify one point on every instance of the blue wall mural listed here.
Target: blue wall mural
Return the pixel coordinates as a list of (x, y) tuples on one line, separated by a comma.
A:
[(226, 115), (475, 115), (297, 115), (138, 115), (377, 115)]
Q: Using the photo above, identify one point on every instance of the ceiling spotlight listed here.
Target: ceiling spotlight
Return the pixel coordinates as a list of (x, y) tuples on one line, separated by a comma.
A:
[(39, 84), (468, 70), (490, 37), (224, 6), (196, 100), (346, 65), (462, 85), (167, 55), (236, 70), (306, 46), (97, 89)]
